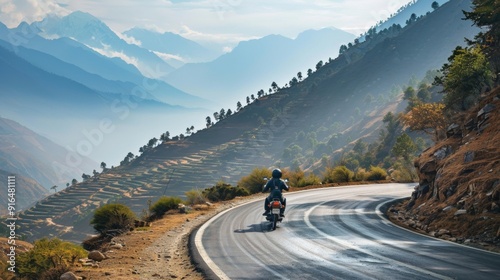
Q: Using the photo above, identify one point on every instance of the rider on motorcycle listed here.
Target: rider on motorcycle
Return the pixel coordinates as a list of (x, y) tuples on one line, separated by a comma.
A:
[(275, 186)]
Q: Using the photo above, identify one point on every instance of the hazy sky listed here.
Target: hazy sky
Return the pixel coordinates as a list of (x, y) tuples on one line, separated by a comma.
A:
[(214, 20)]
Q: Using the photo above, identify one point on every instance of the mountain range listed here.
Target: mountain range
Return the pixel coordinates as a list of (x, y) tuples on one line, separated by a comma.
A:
[(257, 61), (62, 108), (60, 88), (307, 125), (89, 30), (78, 76)]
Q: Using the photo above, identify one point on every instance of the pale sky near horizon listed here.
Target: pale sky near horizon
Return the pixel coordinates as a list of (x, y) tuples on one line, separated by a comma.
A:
[(221, 21)]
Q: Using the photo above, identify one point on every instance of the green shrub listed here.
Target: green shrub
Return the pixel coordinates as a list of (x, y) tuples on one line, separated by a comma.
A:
[(360, 175), (309, 180), (294, 177), (403, 172), (195, 197), (401, 176), (337, 175), (164, 204), (376, 174), (299, 179), (254, 182), (222, 191), (48, 259), (113, 217)]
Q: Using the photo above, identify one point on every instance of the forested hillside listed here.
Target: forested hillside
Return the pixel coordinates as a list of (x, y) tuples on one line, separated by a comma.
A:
[(458, 195)]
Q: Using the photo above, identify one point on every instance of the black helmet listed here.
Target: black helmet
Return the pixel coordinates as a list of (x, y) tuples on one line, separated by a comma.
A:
[(277, 173)]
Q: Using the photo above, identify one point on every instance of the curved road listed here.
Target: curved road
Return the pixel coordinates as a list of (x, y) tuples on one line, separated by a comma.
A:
[(333, 233)]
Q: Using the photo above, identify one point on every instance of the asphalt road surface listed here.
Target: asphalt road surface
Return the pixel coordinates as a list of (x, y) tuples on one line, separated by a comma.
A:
[(332, 233)]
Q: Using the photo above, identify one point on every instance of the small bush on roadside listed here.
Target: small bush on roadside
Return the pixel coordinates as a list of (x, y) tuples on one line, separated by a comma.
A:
[(48, 259), (401, 176), (294, 177), (404, 172), (376, 174), (310, 180), (222, 191), (165, 203), (360, 175), (254, 182), (195, 196), (299, 179), (337, 174), (113, 217)]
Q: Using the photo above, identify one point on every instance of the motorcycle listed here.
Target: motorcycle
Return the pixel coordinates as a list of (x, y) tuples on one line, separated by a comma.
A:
[(274, 216), (276, 208)]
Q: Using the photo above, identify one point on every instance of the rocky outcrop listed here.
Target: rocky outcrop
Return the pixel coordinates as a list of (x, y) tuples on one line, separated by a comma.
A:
[(458, 195)]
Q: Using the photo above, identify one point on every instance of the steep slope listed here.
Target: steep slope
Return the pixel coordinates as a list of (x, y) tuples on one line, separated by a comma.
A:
[(422, 46), (322, 108), (418, 7), (26, 153), (28, 191), (458, 196), (257, 62)]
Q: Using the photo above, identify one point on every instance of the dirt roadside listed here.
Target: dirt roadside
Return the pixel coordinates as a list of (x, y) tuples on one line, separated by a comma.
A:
[(159, 252)]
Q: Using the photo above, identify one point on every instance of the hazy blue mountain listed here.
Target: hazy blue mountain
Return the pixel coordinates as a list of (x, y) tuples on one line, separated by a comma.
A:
[(56, 66), (3, 29), (80, 55), (80, 118), (255, 64), (31, 155), (162, 92), (181, 49), (89, 30), (86, 59)]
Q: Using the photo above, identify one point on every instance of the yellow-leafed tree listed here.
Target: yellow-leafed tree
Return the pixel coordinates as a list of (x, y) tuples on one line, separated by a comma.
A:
[(427, 117)]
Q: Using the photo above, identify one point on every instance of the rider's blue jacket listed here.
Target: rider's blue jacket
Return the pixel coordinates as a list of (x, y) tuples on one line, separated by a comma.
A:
[(275, 186)]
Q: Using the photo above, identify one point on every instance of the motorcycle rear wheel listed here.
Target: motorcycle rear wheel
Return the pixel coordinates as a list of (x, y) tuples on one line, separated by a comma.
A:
[(275, 221)]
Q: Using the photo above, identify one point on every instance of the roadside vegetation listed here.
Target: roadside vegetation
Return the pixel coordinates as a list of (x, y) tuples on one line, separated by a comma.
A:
[(48, 259)]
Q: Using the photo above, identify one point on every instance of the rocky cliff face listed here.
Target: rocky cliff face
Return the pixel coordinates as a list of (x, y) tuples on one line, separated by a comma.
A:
[(458, 195)]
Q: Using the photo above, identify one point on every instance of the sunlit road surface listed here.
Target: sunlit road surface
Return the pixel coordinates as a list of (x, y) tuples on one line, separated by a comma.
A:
[(333, 233)]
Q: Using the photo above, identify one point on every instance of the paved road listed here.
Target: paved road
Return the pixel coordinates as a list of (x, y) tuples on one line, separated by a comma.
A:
[(334, 233)]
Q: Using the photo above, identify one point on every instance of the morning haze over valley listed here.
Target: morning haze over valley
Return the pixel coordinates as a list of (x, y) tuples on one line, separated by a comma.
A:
[(135, 138)]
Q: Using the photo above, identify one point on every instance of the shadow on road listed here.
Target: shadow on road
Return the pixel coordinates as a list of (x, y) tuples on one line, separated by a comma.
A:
[(262, 228)]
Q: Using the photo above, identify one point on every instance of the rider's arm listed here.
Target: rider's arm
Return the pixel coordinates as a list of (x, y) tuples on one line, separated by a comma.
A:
[(266, 188), (286, 187)]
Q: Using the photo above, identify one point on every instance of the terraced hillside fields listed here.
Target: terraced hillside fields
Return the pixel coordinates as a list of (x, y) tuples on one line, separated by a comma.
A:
[(171, 169)]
